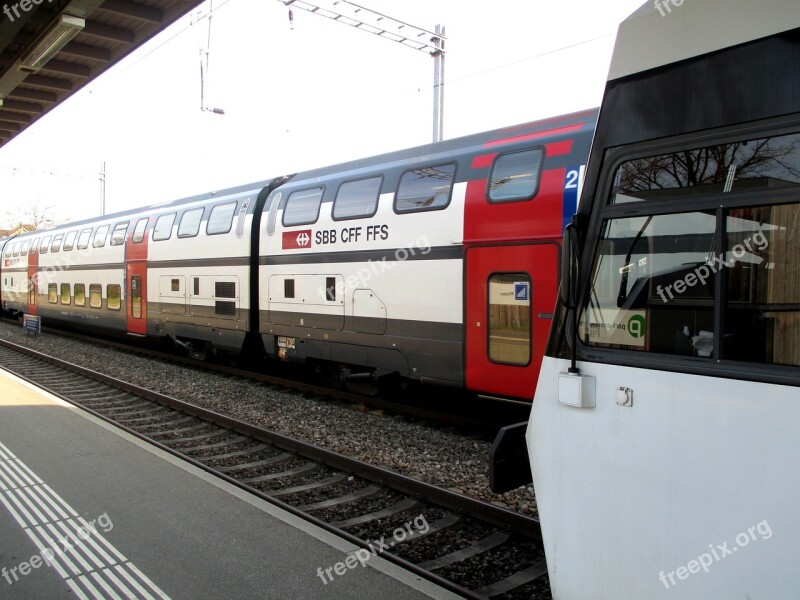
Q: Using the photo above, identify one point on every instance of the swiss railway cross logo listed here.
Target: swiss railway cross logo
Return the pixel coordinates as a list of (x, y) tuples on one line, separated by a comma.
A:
[(293, 240)]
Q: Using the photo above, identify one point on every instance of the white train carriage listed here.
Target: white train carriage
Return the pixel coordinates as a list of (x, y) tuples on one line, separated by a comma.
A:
[(180, 270), (435, 263), (197, 257)]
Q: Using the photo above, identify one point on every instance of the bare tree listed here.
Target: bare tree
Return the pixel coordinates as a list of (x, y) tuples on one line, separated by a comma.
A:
[(31, 217)]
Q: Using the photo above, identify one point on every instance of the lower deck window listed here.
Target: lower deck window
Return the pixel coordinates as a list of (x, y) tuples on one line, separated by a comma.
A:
[(114, 295), (65, 293), (510, 318), (80, 294), (52, 293), (96, 295)]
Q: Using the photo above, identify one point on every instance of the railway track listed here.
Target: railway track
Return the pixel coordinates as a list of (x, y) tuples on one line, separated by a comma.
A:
[(446, 407), (470, 547)]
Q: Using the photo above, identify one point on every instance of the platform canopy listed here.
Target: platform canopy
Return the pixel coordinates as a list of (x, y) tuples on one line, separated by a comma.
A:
[(49, 49)]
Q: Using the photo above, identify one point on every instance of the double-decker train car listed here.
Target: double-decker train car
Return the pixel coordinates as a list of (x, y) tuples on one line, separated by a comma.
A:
[(436, 264), (179, 270)]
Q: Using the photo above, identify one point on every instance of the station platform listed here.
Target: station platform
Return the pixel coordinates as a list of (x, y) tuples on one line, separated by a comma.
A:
[(87, 511)]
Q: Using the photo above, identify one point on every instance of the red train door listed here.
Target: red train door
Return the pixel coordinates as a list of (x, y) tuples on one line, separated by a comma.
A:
[(33, 286), (510, 298), (136, 278)]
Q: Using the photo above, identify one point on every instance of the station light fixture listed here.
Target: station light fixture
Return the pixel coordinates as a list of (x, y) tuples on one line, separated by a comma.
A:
[(53, 40)]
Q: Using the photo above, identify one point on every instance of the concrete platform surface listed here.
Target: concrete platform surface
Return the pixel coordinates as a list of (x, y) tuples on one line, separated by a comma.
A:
[(87, 511)]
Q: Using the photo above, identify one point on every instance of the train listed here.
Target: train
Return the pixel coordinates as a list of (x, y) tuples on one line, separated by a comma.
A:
[(669, 396), (436, 264)]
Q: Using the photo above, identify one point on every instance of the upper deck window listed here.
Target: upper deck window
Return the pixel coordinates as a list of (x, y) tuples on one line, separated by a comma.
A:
[(163, 229), (100, 237), (221, 218), (190, 223), (139, 230), (515, 176), (45, 245), (743, 166), (56, 246), (25, 245), (302, 207), (83, 239), (69, 240), (425, 188), (356, 199), (118, 234)]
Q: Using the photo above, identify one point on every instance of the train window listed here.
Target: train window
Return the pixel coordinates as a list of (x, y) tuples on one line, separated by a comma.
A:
[(762, 285), (510, 319), (221, 218), (69, 240), (52, 293), (56, 246), (742, 166), (114, 296), (426, 188), (66, 294), (302, 207), (190, 223), (100, 235), (25, 246), (7, 250), (288, 288), (653, 285), (45, 245), (196, 285), (80, 294), (273, 213), (330, 289), (83, 239), (175, 285), (242, 217), (515, 176), (138, 232), (15, 249), (35, 246), (118, 234), (163, 229), (136, 296), (96, 295), (356, 199)]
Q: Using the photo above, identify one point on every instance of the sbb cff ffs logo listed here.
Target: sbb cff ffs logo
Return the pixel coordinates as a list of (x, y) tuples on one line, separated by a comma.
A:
[(293, 240)]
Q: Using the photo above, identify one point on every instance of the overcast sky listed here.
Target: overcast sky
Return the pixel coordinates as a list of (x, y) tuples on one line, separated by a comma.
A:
[(317, 94)]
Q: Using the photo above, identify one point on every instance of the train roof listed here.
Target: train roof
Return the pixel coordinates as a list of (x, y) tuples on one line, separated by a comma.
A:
[(664, 32)]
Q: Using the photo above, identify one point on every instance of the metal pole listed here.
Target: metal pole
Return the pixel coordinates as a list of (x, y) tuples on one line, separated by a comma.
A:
[(438, 86)]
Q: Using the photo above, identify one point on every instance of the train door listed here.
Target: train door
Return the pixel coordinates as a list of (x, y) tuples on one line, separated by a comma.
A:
[(136, 279), (33, 285), (510, 296)]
